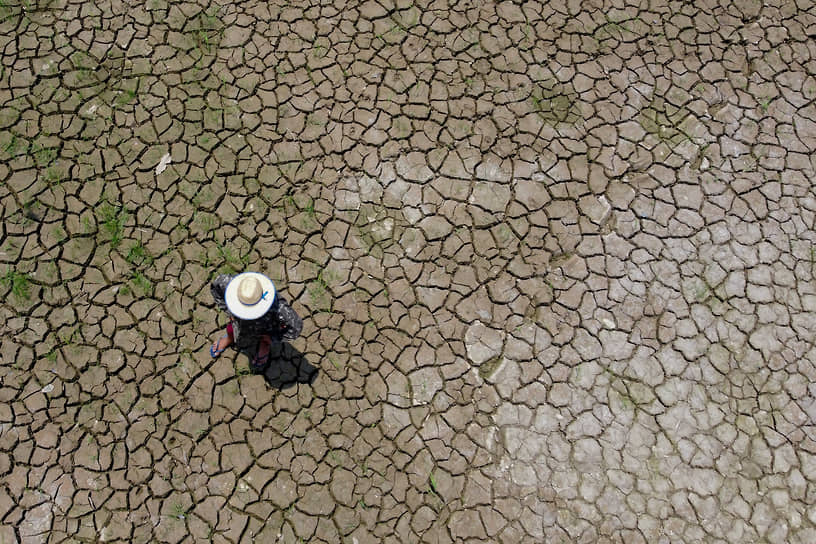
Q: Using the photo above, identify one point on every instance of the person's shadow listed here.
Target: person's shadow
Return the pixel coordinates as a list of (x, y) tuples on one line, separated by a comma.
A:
[(287, 366)]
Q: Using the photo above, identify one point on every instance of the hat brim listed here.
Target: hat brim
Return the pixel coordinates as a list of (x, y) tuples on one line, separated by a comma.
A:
[(246, 311)]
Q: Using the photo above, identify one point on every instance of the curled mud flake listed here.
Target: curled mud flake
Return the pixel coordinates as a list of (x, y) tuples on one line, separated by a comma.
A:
[(163, 163)]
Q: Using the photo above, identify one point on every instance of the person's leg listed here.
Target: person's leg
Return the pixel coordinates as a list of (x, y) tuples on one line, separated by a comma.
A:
[(223, 343), (261, 359)]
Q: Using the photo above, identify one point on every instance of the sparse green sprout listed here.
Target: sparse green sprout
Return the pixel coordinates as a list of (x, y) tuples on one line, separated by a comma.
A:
[(207, 28), (18, 282), (141, 282), (232, 263), (207, 221), (126, 97), (137, 255), (309, 219), (555, 102), (113, 222), (178, 511), (14, 145), (289, 203), (44, 156), (53, 176), (318, 289)]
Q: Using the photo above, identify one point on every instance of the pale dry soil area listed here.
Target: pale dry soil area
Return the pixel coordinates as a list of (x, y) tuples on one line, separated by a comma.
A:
[(556, 262)]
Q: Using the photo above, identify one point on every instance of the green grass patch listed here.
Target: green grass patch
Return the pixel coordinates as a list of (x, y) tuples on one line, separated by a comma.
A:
[(44, 156), (178, 511), (125, 97), (137, 255), (141, 283), (319, 289), (53, 176), (232, 263), (113, 219), (14, 145), (207, 29), (19, 283), (555, 102)]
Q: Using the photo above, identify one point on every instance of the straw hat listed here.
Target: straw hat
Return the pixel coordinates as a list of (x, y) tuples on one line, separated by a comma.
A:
[(249, 295)]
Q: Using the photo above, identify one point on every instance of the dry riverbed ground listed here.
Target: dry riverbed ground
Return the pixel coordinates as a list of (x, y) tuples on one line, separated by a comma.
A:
[(556, 262)]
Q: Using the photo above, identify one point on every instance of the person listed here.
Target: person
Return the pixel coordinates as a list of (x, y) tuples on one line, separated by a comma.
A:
[(259, 316)]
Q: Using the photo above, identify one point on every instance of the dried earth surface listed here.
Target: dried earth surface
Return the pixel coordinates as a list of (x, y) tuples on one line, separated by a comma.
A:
[(555, 260)]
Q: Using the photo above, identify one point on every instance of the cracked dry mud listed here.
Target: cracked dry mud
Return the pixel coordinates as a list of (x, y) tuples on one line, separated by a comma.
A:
[(556, 263)]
